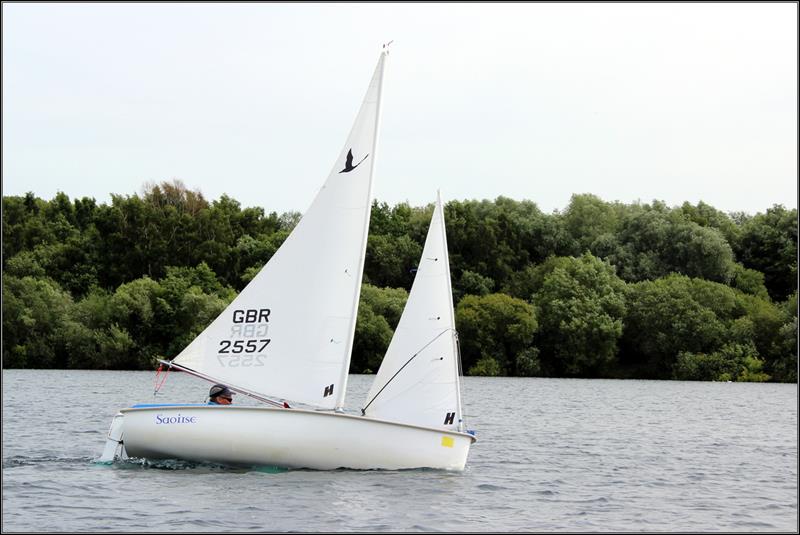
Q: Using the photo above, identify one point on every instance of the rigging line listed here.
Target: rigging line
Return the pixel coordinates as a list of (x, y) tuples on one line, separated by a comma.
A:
[(211, 379), (461, 418), (364, 410), (158, 384)]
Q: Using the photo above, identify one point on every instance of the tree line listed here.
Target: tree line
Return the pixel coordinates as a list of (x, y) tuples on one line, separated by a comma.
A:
[(600, 289)]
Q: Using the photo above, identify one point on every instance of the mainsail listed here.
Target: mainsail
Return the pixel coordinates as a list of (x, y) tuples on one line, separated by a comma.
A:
[(418, 380), (289, 333)]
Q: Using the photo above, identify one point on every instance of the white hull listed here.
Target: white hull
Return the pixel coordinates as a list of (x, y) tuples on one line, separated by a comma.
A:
[(293, 438)]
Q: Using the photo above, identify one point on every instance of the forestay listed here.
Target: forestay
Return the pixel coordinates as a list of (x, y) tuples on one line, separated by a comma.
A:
[(289, 333), (417, 382)]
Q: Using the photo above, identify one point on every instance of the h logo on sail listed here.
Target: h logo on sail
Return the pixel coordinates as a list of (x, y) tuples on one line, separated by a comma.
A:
[(448, 420), (328, 391)]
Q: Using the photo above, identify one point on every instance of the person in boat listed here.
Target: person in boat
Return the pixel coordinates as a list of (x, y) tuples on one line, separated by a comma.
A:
[(220, 395)]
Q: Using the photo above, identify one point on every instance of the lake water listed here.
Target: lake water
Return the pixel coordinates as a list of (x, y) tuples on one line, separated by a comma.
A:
[(552, 455)]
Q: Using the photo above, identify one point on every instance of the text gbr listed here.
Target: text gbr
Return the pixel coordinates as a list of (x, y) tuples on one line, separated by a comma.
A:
[(247, 341)]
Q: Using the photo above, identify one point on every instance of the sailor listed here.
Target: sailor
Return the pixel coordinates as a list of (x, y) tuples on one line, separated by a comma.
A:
[(220, 395)]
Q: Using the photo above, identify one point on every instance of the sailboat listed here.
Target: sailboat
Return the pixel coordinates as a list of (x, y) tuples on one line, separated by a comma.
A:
[(286, 340)]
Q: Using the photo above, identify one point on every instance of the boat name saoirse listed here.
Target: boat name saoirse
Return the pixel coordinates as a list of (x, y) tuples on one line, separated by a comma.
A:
[(160, 419)]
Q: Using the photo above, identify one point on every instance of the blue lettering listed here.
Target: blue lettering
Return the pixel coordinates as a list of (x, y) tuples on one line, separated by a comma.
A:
[(160, 419)]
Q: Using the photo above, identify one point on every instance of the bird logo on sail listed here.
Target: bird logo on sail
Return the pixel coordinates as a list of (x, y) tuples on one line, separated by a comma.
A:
[(348, 165)]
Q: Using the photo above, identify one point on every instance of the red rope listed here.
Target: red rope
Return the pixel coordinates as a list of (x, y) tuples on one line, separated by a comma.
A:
[(157, 385)]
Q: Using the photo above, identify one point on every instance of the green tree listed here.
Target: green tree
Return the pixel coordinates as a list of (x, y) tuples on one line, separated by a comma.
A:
[(105, 348), (193, 313), (34, 311), (580, 306), (498, 327), (124, 255), (486, 366), (386, 302), (662, 320), (379, 311), (655, 241), (496, 239), (768, 244), (708, 216), (782, 363), (113, 285), (372, 337), (525, 283), (766, 320), (391, 260), (749, 281), (188, 300), (395, 221), (253, 253), (732, 362), (471, 283), (24, 264), (587, 218)]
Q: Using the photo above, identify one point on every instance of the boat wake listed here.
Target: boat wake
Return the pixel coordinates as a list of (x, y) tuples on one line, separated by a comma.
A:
[(19, 461), (133, 463)]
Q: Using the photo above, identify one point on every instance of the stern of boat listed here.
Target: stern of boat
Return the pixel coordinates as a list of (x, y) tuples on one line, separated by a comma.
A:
[(115, 447)]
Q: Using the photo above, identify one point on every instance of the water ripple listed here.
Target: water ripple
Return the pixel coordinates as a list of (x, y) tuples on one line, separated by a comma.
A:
[(552, 456), (486, 486), (18, 460)]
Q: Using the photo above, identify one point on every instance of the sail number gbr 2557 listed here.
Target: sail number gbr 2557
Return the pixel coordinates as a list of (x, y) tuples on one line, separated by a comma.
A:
[(248, 339)]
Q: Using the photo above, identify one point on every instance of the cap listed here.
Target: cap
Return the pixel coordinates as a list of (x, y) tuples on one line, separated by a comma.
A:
[(220, 390)]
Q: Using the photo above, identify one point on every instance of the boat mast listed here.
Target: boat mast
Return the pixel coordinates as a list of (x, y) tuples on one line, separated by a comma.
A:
[(348, 351)]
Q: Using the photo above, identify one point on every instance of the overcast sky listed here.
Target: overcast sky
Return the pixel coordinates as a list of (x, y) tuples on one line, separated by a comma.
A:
[(675, 102)]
